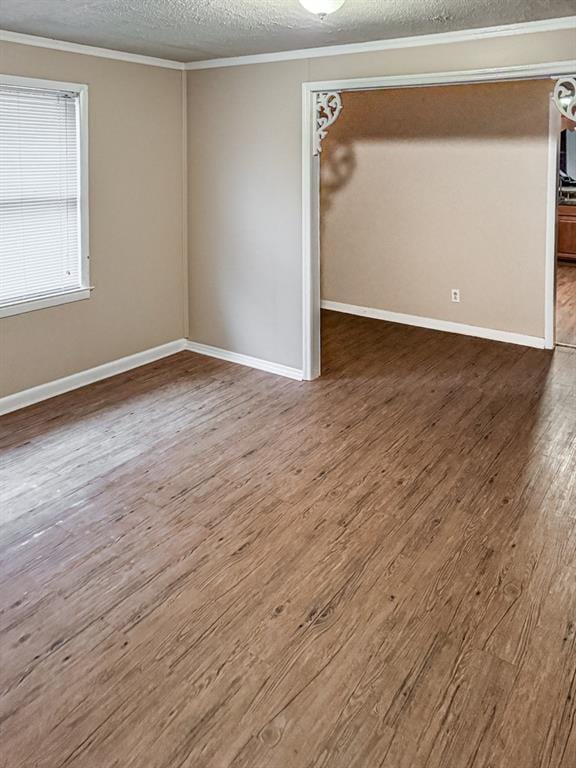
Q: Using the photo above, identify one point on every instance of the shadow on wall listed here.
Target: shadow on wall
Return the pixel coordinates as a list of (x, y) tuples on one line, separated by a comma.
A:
[(456, 112), (424, 190), (336, 169)]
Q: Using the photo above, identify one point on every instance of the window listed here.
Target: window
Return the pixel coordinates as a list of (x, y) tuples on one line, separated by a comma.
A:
[(43, 201)]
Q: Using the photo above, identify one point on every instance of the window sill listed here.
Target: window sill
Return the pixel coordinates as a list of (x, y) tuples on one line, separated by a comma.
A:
[(19, 307)]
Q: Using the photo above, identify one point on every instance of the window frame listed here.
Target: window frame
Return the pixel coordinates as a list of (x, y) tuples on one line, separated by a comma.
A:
[(83, 292)]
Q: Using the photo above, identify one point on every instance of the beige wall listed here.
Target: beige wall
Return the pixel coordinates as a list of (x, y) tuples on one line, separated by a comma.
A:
[(245, 183), (429, 189), (244, 227), (244, 258), (137, 261)]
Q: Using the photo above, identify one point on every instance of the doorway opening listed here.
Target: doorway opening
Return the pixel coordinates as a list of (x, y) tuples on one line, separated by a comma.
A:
[(324, 102), (566, 238)]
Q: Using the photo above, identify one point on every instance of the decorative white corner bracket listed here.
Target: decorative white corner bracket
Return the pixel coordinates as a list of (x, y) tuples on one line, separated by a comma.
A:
[(327, 108), (565, 96), (328, 105)]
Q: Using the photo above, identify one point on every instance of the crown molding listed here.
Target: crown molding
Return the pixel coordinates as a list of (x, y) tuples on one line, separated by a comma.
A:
[(87, 50), (440, 38)]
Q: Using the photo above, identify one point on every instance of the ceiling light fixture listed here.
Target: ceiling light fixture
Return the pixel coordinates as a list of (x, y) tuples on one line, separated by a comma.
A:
[(322, 8)]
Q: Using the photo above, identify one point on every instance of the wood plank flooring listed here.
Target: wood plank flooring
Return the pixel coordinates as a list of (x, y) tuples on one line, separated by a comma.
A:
[(206, 566), (566, 303)]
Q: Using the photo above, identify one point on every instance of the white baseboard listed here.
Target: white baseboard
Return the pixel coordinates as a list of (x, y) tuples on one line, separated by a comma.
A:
[(77, 380), (250, 362), (436, 325)]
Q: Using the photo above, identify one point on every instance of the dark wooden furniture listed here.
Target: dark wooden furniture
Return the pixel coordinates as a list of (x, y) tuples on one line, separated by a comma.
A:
[(567, 232)]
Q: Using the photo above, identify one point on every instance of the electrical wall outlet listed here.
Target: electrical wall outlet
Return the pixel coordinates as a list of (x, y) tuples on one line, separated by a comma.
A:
[(455, 294)]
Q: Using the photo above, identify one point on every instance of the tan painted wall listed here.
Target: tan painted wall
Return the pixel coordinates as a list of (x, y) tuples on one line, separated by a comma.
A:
[(244, 227), (137, 260), (244, 275), (428, 189), (245, 182)]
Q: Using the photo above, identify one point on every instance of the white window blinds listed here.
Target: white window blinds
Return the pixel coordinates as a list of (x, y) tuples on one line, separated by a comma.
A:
[(40, 247)]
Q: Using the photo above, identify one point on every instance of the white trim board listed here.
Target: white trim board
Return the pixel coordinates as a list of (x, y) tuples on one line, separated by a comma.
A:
[(548, 69), (417, 41), (87, 50), (552, 192), (440, 38), (436, 325), (76, 380), (250, 362)]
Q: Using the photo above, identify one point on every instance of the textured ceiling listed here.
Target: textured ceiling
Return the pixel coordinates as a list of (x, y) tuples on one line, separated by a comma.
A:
[(191, 30)]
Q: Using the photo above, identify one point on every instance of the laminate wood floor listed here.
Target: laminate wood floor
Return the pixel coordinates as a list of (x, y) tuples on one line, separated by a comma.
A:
[(206, 566), (566, 303)]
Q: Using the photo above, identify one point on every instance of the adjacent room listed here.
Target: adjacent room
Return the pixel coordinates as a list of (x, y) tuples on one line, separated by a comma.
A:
[(287, 384), (433, 207)]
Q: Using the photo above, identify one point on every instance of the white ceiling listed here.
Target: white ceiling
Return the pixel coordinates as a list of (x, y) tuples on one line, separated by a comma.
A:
[(192, 30)]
